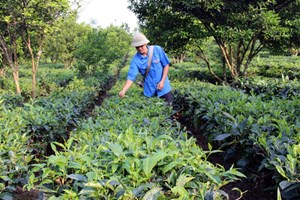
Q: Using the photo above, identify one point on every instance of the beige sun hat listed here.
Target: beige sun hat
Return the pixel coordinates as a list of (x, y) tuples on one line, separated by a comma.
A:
[(139, 40)]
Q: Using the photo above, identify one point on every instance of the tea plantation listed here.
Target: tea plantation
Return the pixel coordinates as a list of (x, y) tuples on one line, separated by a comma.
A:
[(70, 143)]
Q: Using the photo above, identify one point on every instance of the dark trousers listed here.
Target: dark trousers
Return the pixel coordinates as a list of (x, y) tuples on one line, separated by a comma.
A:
[(168, 98)]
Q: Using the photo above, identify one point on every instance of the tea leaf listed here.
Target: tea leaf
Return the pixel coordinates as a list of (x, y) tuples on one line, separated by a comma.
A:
[(229, 116), (281, 171), (78, 177), (278, 194), (6, 196), (152, 194), (116, 149), (182, 180), (171, 165), (150, 162), (94, 184), (222, 136)]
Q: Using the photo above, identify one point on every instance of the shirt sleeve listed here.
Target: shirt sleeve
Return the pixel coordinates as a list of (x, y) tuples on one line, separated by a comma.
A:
[(163, 57), (133, 71)]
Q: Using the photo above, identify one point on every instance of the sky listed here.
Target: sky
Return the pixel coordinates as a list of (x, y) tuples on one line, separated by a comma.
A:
[(107, 12)]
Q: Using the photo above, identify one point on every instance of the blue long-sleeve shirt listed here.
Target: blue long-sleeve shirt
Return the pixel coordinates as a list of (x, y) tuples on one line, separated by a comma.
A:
[(139, 64)]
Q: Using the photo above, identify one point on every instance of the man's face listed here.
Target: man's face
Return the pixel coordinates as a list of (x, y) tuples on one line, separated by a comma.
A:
[(142, 49)]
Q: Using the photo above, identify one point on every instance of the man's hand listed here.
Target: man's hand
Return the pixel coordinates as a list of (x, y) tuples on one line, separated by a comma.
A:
[(122, 93), (127, 85), (160, 85)]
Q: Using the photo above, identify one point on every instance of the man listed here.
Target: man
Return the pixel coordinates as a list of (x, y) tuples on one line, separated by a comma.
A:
[(156, 82)]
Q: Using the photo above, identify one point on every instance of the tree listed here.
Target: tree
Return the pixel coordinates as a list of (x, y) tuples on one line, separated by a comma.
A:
[(241, 28), (171, 29), (101, 48), (291, 44), (30, 21), (63, 42), (9, 38)]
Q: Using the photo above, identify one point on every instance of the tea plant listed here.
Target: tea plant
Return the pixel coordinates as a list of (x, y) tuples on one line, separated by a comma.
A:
[(28, 128), (248, 126), (15, 151), (276, 66), (128, 150)]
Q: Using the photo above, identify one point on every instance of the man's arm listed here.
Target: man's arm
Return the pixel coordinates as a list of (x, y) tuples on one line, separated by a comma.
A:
[(127, 85)]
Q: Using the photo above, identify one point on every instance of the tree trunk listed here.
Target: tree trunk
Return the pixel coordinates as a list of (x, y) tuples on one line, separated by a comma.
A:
[(34, 65), (224, 70), (2, 72), (12, 62), (16, 81), (229, 61), (33, 70)]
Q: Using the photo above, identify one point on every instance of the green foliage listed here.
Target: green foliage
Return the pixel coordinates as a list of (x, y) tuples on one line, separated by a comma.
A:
[(132, 148), (241, 29), (23, 26), (101, 49), (287, 167), (15, 149), (122, 153), (262, 129), (50, 79), (67, 37), (26, 129), (191, 70), (276, 67), (270, 88), (289, 45)]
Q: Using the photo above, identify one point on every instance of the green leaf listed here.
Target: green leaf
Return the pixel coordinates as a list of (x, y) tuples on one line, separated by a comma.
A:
[(47, 181), (287, 186), (94, 184), (209, 146), (152, 194), (281, 171), (78, 177), (150, 162), (222, 136), (6, 196), (181, 191), (278, 194), (215, 178), (243, 124), (229, 116), (74, 165), (116, 149), (171, 165), (183, 179)]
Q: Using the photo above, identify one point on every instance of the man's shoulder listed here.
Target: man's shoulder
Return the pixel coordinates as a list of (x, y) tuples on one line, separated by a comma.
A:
[(157, 48)]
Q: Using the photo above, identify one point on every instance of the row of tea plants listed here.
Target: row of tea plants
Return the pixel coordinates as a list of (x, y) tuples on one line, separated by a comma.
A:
[(130, 148), (258, 129), (28, 127), (50, 77)]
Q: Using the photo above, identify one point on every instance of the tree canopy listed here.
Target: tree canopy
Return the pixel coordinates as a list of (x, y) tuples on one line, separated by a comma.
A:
[(23, 26), (241, 28), (101, 48)]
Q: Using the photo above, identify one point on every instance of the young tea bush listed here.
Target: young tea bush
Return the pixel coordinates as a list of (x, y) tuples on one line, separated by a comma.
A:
[(15, 150), (129, 150), (245, 126), (28, 128)]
